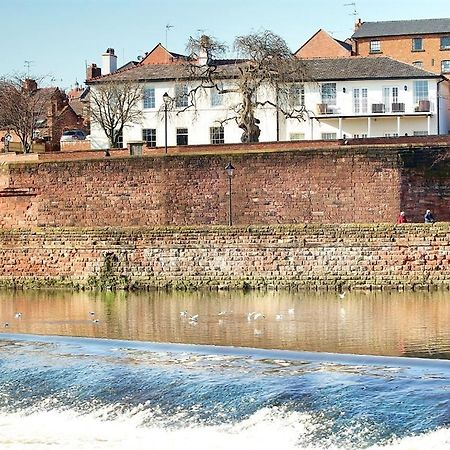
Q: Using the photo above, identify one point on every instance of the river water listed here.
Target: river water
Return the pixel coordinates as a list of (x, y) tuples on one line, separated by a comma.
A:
[(224, 370)]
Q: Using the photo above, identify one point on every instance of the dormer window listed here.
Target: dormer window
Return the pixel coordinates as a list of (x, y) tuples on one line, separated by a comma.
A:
[(417, 44), (375, 46)]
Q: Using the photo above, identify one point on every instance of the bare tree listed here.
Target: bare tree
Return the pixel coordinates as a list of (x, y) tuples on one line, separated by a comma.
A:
[(114, 106), (267, 74), (21, 106)]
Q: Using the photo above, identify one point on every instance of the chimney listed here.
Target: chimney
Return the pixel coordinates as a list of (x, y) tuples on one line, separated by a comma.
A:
[(203, 55), (29, 85), (93, 71), (358, 24), (109, 61)]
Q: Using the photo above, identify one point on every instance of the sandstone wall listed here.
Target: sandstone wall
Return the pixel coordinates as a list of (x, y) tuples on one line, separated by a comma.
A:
[(291, 186), (297, 256)]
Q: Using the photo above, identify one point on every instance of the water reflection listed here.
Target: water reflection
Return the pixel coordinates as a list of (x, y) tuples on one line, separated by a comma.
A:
[(395, 324)]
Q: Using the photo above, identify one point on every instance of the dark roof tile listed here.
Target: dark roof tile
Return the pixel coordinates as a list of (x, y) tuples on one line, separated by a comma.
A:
[(318, 69), (402, 27)]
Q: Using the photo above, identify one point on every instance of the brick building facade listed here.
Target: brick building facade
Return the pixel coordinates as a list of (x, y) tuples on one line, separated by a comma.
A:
[(424, 43)]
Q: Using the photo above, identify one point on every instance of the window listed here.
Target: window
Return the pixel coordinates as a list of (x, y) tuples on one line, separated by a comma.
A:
[(417, 44), (328, 93), (216, 97), (445, 43), (360, 136), (420, 133), (329, 136), (120, 140), (418, 63), (149, 136), (445, 66), (182, 136), (390, 134), (149, 98), (297, 136), (375, 46), (420, 90), (181, 95), (216, 135), (360, 101), (297, 95)]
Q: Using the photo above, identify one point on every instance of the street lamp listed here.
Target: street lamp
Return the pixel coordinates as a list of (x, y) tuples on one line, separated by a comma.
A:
[(167, 100), (230, 171)]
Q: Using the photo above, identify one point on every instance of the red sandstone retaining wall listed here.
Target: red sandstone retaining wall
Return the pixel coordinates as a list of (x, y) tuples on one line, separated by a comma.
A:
[(326, 186), (310, 256)]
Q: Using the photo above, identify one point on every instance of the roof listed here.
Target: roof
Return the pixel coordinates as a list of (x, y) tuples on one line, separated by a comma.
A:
[(402, 27), (363, 68), (318, 69)]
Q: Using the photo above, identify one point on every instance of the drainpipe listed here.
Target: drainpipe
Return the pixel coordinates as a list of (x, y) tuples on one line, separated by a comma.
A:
[(438, 106)]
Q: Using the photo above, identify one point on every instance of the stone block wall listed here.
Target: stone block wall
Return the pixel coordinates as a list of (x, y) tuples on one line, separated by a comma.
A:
[(409, 256), (291, 186)]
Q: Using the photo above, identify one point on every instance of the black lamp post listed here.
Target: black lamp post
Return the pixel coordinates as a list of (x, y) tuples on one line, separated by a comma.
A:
[(230, 171), (166, 99)]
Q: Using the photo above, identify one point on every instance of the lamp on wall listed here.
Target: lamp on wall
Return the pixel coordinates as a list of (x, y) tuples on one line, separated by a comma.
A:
[(230, 171), (167, 99), (405, 87), (344, 90)]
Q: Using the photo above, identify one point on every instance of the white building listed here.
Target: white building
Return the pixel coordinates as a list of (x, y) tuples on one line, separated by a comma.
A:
[(351, 97)]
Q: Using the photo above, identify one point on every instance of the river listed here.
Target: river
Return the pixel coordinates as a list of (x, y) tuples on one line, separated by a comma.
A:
[(224, 370)]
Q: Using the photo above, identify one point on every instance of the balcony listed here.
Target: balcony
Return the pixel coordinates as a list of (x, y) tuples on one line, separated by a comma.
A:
[(398, 107), (378, 108)]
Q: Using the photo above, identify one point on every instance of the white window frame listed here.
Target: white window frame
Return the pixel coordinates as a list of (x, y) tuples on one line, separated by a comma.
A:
[(328, 94), (149, 98), (420, 90), (375, 46), (149, 136), (445, 66), (217, 135), (181, 96)]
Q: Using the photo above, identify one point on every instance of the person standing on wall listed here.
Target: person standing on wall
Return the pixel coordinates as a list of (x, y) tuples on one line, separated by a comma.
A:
[(428, 217)]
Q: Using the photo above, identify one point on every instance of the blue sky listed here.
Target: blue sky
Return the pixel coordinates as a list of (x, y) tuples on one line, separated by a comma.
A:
[(60, 36)]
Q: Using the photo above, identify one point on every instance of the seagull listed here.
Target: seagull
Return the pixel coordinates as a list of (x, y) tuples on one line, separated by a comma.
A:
[(18, 315), (193, 318), (91, 313), (95, 321), (254, 316), (291, 311), (184, 313), (6, 324), (279, 316), (341, 295)]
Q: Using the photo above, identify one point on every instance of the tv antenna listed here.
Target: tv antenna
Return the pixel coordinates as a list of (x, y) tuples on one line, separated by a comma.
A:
[(28, 64), (355, 12), (168, 27)]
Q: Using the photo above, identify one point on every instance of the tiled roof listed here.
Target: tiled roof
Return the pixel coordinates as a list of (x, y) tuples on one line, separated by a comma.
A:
[(402, 27), (362, 68), (318, 69)]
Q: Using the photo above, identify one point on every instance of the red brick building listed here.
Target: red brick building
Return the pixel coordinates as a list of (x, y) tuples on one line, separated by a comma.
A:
[(424, 43), (322, 45)]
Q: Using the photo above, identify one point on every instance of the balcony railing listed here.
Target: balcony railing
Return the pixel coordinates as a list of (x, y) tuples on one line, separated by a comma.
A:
[(378, 108), (423, 106), (398, 107)]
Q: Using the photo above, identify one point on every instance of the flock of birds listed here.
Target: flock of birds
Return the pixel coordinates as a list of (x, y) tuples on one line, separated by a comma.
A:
[(18, 315), (193, 319)]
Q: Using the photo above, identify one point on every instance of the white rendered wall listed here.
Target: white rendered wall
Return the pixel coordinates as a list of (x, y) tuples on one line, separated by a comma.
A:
[(199, 121)]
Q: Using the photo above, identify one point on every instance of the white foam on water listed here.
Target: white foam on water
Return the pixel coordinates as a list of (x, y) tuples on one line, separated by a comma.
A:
[(267, 429)]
